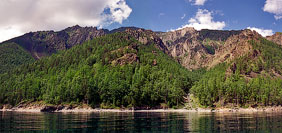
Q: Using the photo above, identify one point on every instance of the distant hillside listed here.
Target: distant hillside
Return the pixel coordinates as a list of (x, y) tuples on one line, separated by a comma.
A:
[(122, 29), (13, 55), (44, 43)]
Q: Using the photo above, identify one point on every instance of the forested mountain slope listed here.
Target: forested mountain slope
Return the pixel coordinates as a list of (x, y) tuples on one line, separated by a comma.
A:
[(13, 55), (113, 70), (253, 79)]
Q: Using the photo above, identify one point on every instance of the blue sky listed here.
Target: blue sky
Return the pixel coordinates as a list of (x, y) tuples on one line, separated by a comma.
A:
[(264, 16), (164, 15)]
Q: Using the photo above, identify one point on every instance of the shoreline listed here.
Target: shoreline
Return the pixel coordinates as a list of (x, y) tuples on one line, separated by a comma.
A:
[(196, 110)]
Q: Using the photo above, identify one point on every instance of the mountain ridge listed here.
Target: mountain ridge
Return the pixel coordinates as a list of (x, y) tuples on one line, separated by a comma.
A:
[(186, 45), (44, 43)]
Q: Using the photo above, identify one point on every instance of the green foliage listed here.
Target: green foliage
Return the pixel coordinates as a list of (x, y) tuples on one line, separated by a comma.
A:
[(86, 74), (12, 55), (211, 45), (210, 49), (216, 87), (217, 35)]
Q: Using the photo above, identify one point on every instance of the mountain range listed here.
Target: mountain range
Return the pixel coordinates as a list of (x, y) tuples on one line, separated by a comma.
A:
[(187, 45), (131, 66)]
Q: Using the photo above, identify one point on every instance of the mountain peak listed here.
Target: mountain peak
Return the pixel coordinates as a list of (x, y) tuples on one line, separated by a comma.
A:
[(77, 27), (250, 33)]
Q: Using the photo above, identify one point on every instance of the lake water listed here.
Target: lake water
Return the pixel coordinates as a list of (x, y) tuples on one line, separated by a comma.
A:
[(141, 122)]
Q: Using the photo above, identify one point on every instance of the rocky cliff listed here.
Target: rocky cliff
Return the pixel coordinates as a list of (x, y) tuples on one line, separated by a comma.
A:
[(147, 37), (277, 38), (196, 49)]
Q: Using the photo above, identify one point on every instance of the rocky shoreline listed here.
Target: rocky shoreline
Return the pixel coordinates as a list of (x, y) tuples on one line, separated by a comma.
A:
[(85, 108)]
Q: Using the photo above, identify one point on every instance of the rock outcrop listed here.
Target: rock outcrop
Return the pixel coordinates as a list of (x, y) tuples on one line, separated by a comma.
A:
[(277, 38), (147, 37)]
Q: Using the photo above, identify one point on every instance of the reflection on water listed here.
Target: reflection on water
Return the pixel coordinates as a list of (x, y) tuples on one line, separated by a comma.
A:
[(141, 122)]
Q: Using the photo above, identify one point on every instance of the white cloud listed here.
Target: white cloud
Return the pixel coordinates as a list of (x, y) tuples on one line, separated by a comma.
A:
[(204, 20), (277, 17), (275, 7), (21, 16), (9, 32), (198, 2), (263, 32), (119, 10)]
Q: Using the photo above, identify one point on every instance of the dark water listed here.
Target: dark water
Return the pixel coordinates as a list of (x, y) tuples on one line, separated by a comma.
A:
[(141, 122)]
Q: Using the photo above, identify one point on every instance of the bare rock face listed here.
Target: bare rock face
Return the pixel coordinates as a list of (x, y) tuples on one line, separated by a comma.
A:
[(44, 43), (184, 46), (207, 48), (234, 47), (170, 37), (277, 38)]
